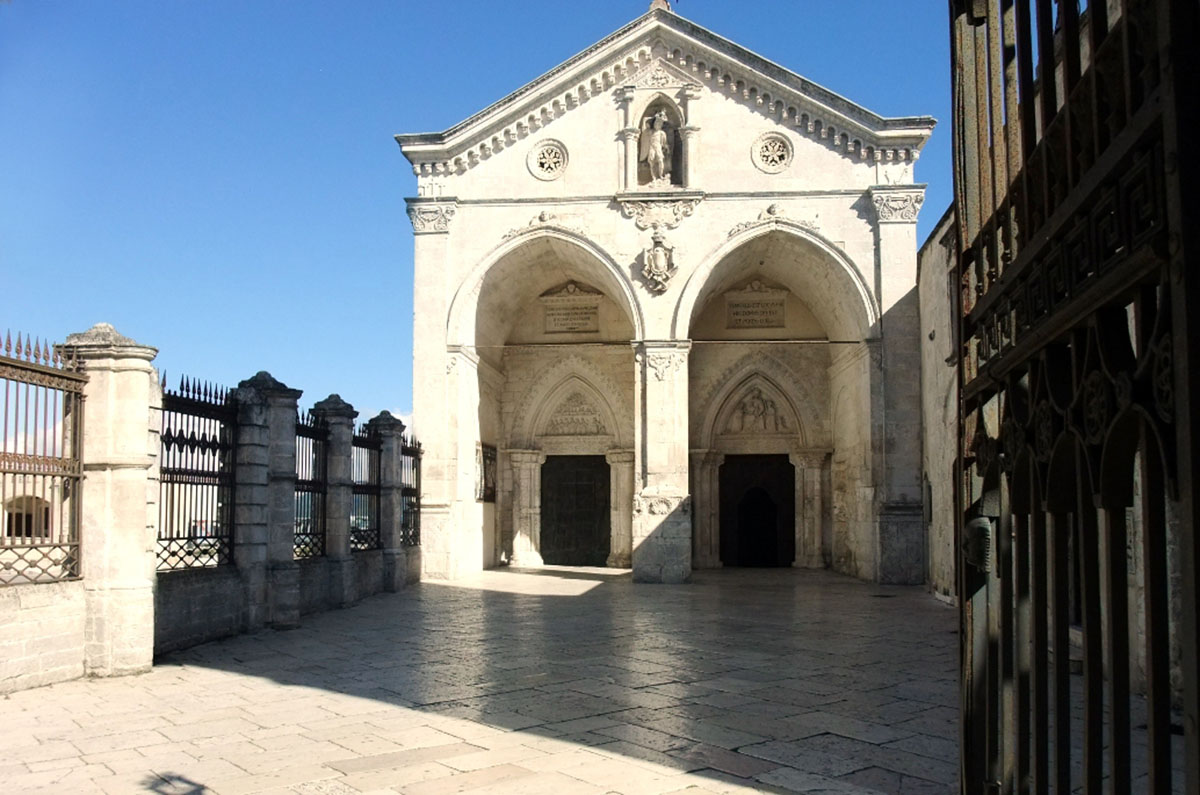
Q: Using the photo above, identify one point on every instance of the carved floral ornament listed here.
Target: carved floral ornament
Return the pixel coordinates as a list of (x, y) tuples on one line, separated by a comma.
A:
[(661, 504), (431, 218), (772, 216), (664, 363), (771, 153), (898, 206), (656, 214)]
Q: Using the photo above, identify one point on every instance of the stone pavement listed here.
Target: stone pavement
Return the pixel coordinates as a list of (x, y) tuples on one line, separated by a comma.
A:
[(557, 681)]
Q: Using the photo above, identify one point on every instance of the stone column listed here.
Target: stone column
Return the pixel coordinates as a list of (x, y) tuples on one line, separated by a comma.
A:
[(391, 501), (338, 416), (119, 532), (810, 500), (527, 506), (620, 479), (662, 522), (265, 502), (899, 482), (706, 508), (434, 403), (629, 139)]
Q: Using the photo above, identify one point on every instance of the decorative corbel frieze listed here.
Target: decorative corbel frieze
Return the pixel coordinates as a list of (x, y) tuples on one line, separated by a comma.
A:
[(772, 216), (897, 205), (431, 217)]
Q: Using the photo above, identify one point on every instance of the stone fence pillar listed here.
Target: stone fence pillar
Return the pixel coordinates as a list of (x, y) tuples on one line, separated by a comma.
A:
[(391, 499), (122, 410), (265, 502), (338, 416)]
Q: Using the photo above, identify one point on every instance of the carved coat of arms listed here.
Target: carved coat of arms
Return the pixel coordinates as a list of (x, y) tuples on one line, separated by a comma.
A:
[(658, 263)]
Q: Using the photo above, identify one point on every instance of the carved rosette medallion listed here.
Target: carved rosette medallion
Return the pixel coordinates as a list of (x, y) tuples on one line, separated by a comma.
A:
[(897, 206), (658, 263), (771, 153), (433, 218), (658, 214), (661, 504), (547, 160)]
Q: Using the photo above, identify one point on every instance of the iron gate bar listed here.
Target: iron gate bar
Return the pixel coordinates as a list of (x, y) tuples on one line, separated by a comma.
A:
[(312, 452)]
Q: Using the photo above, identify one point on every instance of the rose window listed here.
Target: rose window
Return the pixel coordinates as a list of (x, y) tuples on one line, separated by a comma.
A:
[(548, 160), (772, 153)]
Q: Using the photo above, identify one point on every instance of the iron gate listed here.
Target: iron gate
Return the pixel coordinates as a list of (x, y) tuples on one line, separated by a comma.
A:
[(1077, 435)]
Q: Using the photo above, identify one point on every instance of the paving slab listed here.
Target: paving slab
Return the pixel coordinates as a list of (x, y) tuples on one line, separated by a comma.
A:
[(552, 681)]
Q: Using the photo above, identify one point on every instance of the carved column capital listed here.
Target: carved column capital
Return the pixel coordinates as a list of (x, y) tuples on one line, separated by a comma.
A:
[(808, 459), (897, 204), (614, 457), (431, 217), (522, 458)]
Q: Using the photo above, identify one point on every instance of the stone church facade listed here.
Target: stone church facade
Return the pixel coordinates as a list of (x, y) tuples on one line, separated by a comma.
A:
[(666, 318)]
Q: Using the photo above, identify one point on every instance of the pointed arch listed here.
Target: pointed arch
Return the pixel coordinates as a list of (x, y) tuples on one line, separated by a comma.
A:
[(792, 396), (555, 385), (592, 263), (834, 288)]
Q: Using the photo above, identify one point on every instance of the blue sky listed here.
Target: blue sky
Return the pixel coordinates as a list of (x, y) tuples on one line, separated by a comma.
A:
[(218, 179)]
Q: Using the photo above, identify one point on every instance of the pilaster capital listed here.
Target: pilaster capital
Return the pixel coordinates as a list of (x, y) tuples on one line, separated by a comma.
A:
[(102, 341), (662, 357), (629, 134), (626, 93), (619, 457), (707, 457), (897, 204), (809, 459), (431, 216), (333, 409), (688, 131), (525, 458)]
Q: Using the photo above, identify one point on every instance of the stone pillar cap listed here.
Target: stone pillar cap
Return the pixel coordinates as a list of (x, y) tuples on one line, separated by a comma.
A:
[(266, 383), (103, 338), (334, 406), (385, 421)]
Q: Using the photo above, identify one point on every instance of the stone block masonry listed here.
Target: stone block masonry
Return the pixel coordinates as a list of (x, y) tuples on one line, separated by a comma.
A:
[(123, 611)]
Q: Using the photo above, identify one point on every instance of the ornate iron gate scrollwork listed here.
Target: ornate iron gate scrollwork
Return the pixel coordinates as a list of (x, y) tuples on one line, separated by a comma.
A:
[(1077, 262)]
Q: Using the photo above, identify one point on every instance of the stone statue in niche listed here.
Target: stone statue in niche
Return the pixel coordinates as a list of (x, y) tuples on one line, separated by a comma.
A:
[(658, 263), (654, 148), (756, 413)]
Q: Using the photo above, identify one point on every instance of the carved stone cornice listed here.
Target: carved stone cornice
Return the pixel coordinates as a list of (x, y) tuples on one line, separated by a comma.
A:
[(772, 216), (429, 218), (661, 209), (897, 205)]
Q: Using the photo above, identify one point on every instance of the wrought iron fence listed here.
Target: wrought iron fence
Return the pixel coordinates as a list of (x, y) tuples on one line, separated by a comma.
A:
[(312, 456), (410, 489), (366, 455), (40, 466), (195, 509)]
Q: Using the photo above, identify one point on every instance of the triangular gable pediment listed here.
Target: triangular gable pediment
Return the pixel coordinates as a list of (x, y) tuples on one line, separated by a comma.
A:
[(663, 47)]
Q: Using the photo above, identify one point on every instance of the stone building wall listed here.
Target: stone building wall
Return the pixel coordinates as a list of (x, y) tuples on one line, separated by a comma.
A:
[(939, 406)]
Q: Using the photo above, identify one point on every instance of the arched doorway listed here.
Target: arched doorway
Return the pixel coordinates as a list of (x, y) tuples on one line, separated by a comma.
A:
[(758, 511), (549, 321)]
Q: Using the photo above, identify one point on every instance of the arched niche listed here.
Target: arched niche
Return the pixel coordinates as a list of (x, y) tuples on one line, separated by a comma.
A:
[(660, 113)]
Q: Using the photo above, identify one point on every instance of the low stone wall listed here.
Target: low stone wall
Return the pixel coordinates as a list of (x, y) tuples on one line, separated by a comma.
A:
[(41, 636), (195, 606), (368, 573), (314, 586)]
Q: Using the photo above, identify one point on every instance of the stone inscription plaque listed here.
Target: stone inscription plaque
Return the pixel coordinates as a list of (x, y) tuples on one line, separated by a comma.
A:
[(569, 318), (754, 312)]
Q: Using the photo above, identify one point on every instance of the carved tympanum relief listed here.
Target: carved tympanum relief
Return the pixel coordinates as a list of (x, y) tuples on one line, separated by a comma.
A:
[(575, 416), (756, 413)]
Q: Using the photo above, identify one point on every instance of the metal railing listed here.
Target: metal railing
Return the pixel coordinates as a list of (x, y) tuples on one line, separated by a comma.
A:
[(195, 509), (410, 489), (312, 455), (40, 464), (366, 455)]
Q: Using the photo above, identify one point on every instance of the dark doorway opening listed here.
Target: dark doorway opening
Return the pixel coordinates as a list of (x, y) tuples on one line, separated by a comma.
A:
[(758, 510), (575, 516)]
